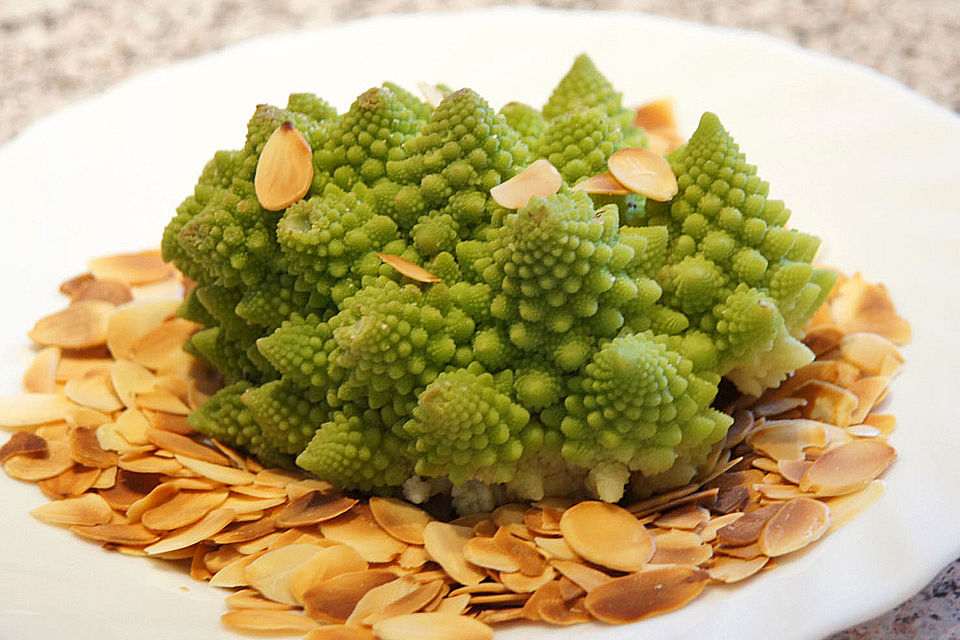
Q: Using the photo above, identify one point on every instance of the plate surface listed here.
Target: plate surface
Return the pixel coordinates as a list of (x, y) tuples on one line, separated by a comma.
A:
[(862, 162)]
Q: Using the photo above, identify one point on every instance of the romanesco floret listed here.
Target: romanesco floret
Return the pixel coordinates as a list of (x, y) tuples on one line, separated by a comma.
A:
[(572, 347)]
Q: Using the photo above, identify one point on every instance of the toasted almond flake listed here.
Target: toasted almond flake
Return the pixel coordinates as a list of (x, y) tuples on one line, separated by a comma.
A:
[(71, 367), (302, 486), (728, 570), (431, 93), (793, 470), (85, 449), (411, 602), (846, 507), (285, 168), (93, 390), (124, 534), (432, 626), (258, 491), (868, 390), (847, 468), (23, 443), (267, 620), (112, 291), (867, 351), (529, 561), (864, 431), (193, 484), (407, 268), (178, 444), (587, 578), (276, 477), (779, 491), (131, 268), (521, 583), (709, 531), (413, 557), (31, 409), (171, 287), (786, 439), (158, 495), (539, 180), (551, 608), (444, 544), (157, 346), (657, 115), (131, 322), (89, 509), (260, 544), (212, 523), (358, 529), (79, 326), (328, 563), (648, 593), (827, 402), (499, 599), (252, 506), (603, 184), (245, 532), (220, 473), (334, 599), (232, 574), (676, 548), (454, 604), (86, 417), (149, 463), (643, 172), (400, 519), (686, 517), (481, 587), (312, 508), (182, 509), (75, 285), (128, 379), (40, 466), (745, 530), (556, 548), (110, 439), (41, 376), (884, 323), (777, 406), (169, 422), (73, 482), (607, 535), (656, 503), (250, 599), (379, 598), (484, 552), (507, 514), (273, 572), (162, 400), (798, 523), (340, 632), (132, 426)]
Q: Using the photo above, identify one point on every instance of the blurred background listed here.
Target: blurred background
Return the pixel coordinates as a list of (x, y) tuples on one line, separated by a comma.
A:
[(56, 52)]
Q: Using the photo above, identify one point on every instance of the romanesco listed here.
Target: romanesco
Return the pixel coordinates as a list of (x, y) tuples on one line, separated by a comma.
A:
[(572, 347)]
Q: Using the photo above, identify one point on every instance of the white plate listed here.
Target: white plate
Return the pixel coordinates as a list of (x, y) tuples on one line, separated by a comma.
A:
[(866, 164)]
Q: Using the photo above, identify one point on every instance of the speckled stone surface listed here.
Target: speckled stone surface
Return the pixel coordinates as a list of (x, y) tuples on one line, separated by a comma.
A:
[(55, 52)]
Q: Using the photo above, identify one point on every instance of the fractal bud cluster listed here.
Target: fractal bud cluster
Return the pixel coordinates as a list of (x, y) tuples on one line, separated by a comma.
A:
[(572, 347)]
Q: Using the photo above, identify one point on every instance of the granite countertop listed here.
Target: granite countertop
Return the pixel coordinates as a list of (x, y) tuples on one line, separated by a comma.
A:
[(56, 52)]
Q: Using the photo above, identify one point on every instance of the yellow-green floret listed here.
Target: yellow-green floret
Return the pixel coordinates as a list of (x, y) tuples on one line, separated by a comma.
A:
[(571, 347)]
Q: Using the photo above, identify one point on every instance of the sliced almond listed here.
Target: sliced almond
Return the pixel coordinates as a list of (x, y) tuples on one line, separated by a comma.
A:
[(539, 180), (379, 598), (413, 557), (827, 402), (89, 509), (607, 535), (407, 268), (131, 268), (587, 578), (680, 547), (250, 599), (527, 558), (786, 439), (795, 525), (125, 534), (519, 582), (432, 626), (79, 326), (400, 519), (40, 466), (93, 390), (131, 322), (844, 508), (686, 517), (867, 351), (285, 168), (340, 632), (41, 377), (23, 443), (484, 552), (444, 544), (847, 468), (273, 572), (657, 115), (454, 604), (556, 548), (162, 400), (644, 172), (411, 602), (182, 509), (245, 505), (245, 532), (648, 593), (232, 574), (212, 523), (73, 482), (218, 472), (85, 449), (149, 463), (178, 444), (31, 409), (728, 570), (709, 531), (868, 390), (358, 529), (604, 184), (129, 379), (263, 620), (334, 599), (112, 291), (746, 530), (312, 508), (132, 426), (157, 346), (326, 564)]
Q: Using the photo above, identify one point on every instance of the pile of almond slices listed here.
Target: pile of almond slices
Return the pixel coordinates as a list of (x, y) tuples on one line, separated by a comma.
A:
[(102, 430)]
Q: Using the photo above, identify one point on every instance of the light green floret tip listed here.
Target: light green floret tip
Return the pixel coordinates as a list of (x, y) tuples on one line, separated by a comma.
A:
[(579, 142), (225, 418), (287, 413), (463, 428), (355, 450), (638, 403), (731, 267), (582, 86), (526, 121)]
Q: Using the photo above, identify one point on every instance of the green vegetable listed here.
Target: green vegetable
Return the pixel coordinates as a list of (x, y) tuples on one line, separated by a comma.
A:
[(571, 347)]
